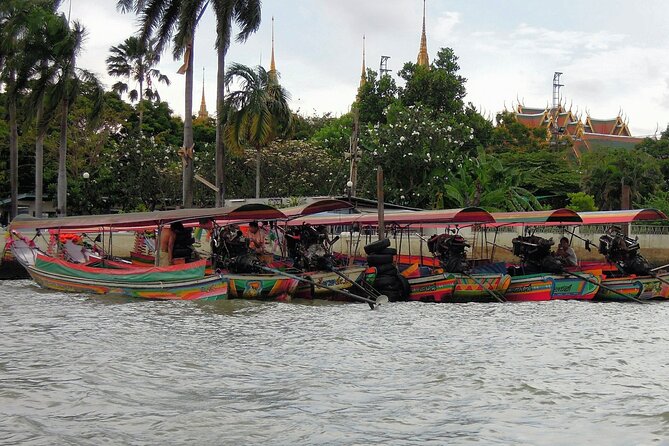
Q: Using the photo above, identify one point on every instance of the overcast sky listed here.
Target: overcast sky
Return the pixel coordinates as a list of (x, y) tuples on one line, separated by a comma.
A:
[(613, 53)]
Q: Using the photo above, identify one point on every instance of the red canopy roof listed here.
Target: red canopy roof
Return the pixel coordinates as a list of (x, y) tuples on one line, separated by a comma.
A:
[(553, 217), (626, 216), (436, 217), (316, 207), (146, 220)]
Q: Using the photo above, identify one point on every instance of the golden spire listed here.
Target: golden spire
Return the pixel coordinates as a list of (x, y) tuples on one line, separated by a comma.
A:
[(423, 58), (272, 64), (203, 114), (363, 76)]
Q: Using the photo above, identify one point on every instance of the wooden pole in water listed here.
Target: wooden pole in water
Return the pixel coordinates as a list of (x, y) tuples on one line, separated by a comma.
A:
[(379, 198), (158, 242)]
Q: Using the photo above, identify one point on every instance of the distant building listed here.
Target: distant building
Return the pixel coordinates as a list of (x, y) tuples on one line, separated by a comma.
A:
[(584, 134), (202, 114)]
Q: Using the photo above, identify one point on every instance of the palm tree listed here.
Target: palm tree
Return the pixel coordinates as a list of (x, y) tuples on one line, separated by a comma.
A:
[(163, 18), (485, 182), (257, 112), (68, 81), (247, 15), (174, 21), (13, 30), (136, 61), (40, 65)]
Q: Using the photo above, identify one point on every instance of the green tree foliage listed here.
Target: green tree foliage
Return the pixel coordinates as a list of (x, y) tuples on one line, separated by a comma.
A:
[(375, 96), (511, 135), (581, 202), (440, 88), (550, 175), (604, 172), (484, 181), (417, 152), (335, 135), (135, 61), (257, 112)]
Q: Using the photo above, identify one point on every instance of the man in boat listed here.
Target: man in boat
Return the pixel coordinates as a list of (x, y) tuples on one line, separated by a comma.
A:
[(179, 243), (257, 234), (565, 253)]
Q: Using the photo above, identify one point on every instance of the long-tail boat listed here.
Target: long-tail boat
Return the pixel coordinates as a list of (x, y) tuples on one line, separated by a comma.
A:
[(182, 282), (626, 275), (311, 253), (533, 283), (428, 282)]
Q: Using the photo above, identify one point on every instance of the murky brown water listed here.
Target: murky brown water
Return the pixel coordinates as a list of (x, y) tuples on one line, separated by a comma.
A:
[(77, 369)]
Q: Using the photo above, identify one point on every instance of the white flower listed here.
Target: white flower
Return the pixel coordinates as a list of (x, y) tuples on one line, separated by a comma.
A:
[(402, 138)]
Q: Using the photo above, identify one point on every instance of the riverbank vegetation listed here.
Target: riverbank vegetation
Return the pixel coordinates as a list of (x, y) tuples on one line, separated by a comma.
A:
[(436, 150)]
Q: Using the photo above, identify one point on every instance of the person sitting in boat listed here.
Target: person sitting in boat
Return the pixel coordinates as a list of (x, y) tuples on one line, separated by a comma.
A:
[(180, 243), (566, 253), (257, 234)]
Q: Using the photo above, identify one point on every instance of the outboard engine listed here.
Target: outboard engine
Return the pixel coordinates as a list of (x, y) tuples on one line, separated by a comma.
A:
[(535, 253), (227, 244), (450, 250), (623, 251), (310, 248)]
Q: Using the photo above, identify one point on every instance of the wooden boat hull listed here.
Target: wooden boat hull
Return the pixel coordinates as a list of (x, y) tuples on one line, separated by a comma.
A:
[(542, 287), (261, 287), (478, 287), (450, 287), (206, 288), (434, 288), (329, 279), (644, 288)]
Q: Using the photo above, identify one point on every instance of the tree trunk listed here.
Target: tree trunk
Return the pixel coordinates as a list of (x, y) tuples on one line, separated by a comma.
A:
[(188, 132), (39, 164), (139, 104), (62, 161), (13, 149), (257, 172), (220, 121)]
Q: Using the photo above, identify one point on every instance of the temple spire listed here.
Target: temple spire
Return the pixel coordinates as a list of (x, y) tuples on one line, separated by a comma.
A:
[(203, 114), (423, 58), (363, 76), (272, 64)]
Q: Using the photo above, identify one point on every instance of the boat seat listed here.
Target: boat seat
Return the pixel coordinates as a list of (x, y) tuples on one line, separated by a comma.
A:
[(490, 268), (75, 253)]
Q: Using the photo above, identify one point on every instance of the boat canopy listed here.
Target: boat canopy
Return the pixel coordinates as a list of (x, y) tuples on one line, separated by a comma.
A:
[(625, 216), (560, 216), (148, 220), (440, 217), (316, 207)]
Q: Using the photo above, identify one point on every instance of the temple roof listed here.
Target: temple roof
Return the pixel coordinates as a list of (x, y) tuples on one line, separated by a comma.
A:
[(423, 58), (272, 64), (203, 114), (363, 76), (534, 120), (613, 126)]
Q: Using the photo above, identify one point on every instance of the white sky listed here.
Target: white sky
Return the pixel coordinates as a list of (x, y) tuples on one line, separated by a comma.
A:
[(613, 53)]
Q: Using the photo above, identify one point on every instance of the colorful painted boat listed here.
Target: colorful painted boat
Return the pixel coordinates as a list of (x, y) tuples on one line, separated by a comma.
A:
[(543, 287), (261, 287), (623, 289), (332, 280), (177, 282), (453, 287), (433, 288)]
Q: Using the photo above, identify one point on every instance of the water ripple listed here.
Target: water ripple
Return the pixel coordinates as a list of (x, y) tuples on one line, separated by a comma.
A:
[(78, 369)]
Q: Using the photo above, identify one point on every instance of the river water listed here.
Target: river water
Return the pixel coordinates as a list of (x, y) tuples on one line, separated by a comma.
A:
[(78, 369)]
